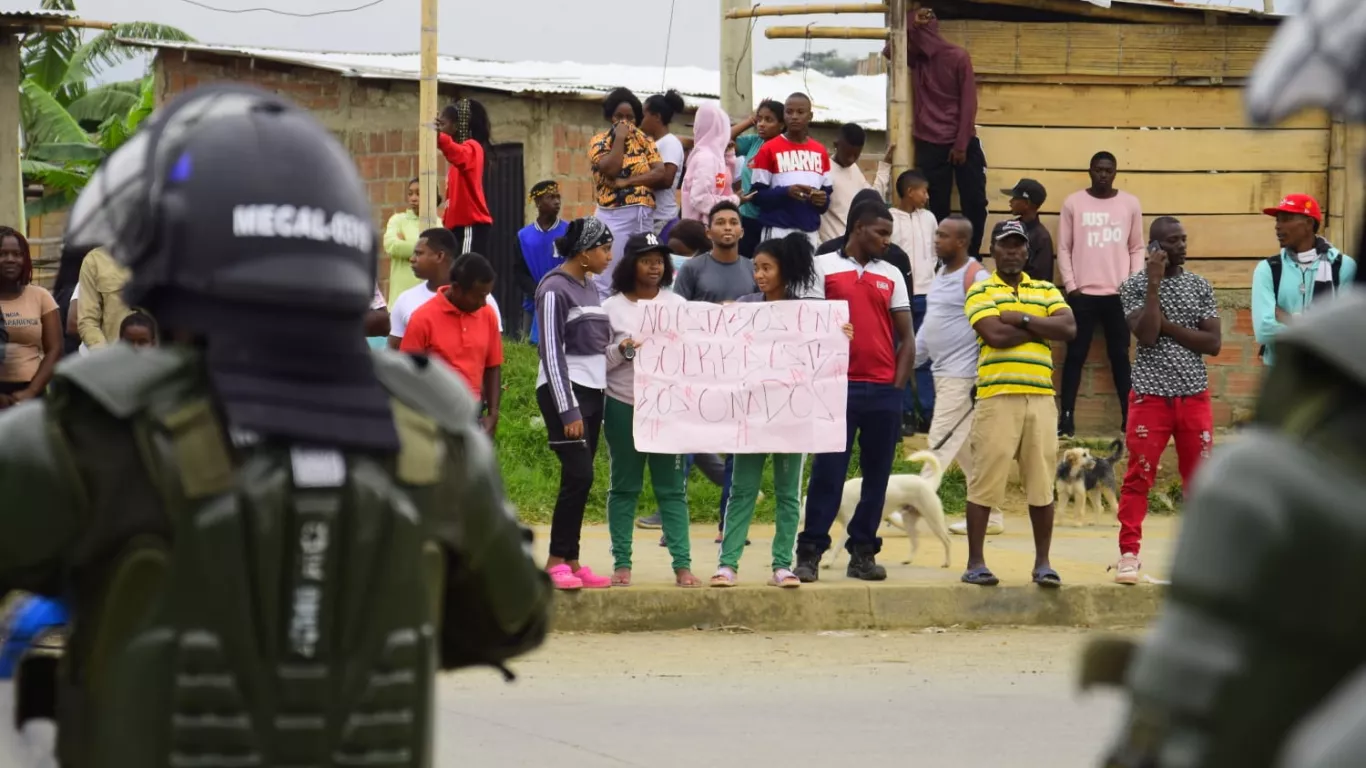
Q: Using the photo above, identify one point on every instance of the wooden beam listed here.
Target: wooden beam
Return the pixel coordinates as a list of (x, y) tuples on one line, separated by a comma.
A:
[(1346, 202), (1114, 12), (1212, 236), (428, 89), (1120, 106), (1187, 150), (804, 10), (1120, 50), (826, 33)]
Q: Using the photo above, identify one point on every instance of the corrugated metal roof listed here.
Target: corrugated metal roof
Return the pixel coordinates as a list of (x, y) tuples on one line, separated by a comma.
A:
[(1241, 7), (860, 99), (37, 13)]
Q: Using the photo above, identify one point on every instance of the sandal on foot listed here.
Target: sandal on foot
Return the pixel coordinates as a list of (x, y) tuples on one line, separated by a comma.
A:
[(725, 577), (784, 578), (620, 579), (980, 576), (1047, 578), (562, 577), (591, 580)]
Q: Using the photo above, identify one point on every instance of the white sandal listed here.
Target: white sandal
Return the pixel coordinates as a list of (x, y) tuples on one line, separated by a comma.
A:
[(785, 578), (725, 577)]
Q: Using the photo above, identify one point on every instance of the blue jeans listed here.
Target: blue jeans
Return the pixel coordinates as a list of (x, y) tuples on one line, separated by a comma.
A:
[(872, 413), (919, 395)]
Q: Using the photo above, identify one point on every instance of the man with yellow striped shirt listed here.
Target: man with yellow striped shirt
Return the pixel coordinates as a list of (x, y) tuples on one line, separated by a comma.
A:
[(1015, 318)]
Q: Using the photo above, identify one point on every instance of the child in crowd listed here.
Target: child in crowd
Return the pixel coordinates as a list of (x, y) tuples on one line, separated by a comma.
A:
[(687, 239), (791, 176), (709, 178), (399, 238), (644, 274), (569, 387), (781, 267), (536, 254), (913, 229), (767, 123), (846, 179), (138, 329)]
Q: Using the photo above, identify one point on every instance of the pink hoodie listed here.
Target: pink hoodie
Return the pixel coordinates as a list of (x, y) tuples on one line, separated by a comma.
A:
[(709, 177)]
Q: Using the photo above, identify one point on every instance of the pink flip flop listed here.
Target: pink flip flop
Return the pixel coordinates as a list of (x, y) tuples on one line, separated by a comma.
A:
[(562, 577), (591, 580)]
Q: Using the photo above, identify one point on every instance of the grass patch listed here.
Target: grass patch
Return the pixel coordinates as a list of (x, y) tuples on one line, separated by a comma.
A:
[(531, 473)]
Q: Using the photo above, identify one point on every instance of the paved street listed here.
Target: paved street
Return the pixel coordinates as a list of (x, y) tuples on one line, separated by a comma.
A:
[(995, 697)]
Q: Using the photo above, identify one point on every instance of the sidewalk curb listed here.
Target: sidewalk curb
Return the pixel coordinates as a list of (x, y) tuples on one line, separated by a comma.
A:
[(816, 607)]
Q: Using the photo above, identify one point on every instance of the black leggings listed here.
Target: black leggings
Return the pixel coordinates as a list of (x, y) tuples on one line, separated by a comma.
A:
[(1108, 312), (576, 466)]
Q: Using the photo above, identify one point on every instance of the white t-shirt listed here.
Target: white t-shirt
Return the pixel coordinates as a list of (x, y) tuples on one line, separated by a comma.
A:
[(666, 200), (410, 300)]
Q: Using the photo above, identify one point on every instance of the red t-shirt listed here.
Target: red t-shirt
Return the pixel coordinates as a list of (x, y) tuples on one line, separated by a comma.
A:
[(468, 342), (464, 183), (874, 292)]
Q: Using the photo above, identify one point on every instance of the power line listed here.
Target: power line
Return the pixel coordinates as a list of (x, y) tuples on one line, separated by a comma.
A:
[(314, 14), (668, 40)]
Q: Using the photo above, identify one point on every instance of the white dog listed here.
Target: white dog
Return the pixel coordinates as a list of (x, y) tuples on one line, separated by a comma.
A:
[(910, 498)]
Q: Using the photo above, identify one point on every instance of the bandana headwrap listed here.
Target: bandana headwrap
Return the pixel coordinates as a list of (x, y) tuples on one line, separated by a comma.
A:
[(595, 234), (462, 120), (539, 192)]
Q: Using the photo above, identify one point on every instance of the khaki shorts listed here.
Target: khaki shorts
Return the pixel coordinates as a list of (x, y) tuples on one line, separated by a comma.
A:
[(1010, 427)]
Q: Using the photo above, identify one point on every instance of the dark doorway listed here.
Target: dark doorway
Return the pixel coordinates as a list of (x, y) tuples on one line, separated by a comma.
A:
[(505, 188)]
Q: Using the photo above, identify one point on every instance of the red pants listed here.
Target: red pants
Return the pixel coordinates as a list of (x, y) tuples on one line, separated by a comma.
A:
[(1153, 421)]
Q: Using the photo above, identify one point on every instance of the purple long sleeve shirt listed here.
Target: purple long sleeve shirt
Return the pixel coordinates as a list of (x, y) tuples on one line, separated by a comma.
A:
[(945, 88)]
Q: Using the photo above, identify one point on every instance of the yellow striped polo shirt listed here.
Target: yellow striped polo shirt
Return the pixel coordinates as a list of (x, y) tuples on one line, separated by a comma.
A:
[(1028, 368)]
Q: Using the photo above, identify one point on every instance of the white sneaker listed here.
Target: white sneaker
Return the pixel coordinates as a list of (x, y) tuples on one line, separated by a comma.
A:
[(995, 527), (1127, 570)]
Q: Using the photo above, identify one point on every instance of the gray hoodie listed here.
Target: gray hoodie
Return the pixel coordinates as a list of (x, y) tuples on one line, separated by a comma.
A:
[(575, 333)]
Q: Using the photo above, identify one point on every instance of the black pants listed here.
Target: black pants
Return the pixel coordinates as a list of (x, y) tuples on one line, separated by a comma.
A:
[(933, 161), (753, 235), (576, 466), (1108, 312), (472, 239)]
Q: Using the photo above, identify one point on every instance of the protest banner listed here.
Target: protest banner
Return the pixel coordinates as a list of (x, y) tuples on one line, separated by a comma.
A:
[(767, 377)]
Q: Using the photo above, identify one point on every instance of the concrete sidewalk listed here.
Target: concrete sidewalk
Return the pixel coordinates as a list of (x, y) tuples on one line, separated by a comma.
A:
[(914, 596)]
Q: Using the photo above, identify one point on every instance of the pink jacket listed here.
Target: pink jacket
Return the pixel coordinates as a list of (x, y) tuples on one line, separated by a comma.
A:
[(709, 177)]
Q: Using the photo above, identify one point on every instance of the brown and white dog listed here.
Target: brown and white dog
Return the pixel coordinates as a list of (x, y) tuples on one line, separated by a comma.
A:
[(1090, 479)]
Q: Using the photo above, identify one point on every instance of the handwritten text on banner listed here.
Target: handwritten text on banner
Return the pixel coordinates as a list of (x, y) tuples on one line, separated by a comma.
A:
[(769, 377)]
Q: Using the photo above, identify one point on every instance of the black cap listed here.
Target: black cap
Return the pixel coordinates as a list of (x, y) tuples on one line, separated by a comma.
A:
[(1028, 189), (1009, 228), (644, 242)]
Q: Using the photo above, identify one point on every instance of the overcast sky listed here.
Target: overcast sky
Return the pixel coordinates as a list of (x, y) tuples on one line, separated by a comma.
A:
[(509, 30)]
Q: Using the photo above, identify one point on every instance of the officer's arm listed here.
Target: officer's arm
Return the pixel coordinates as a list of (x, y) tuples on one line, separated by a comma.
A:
[(39, 499), (497, 598)]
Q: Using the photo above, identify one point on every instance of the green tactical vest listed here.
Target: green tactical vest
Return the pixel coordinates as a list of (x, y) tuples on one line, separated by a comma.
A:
[(261, 604)]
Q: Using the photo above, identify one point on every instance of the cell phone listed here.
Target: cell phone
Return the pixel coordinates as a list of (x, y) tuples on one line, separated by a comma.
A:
[(1154, 247)]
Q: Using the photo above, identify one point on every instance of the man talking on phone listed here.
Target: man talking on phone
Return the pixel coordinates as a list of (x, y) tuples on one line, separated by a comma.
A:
[(1171, 312)]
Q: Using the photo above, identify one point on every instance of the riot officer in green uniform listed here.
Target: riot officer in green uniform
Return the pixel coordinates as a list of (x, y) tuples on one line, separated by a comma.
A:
[(270, 537), (1259, 656)]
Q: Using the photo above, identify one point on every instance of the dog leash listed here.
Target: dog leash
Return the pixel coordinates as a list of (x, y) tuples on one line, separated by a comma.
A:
[(961, 419)]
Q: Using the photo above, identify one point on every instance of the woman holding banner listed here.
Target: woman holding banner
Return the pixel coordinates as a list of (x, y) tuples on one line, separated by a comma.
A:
[(643, 275), (783, 269)]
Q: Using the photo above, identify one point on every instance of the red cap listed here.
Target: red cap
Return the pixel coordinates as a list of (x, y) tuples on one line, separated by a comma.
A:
[(1304, 205)]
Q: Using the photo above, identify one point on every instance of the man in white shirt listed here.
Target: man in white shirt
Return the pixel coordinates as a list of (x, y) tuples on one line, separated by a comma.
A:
[(433, 255)]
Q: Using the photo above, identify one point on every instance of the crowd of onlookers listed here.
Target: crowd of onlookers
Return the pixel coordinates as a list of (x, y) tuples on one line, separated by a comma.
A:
[(760, 211)]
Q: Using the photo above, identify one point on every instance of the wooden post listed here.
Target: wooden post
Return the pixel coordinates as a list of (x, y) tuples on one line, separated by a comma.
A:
[(737, 60), (745, 12), (11, 180), (826, 33), (899, 91), (428, 163)]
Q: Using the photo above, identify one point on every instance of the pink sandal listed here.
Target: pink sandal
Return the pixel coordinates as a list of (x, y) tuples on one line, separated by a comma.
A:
[(591, 580), (561, 577)]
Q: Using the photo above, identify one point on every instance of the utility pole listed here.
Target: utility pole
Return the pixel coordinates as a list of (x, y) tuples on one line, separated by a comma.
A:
[(737, 60), (427, 166)]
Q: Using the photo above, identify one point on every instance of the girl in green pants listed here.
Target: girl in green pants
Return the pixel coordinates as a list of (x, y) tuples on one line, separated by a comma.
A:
[(643, 274), (782, 269)]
